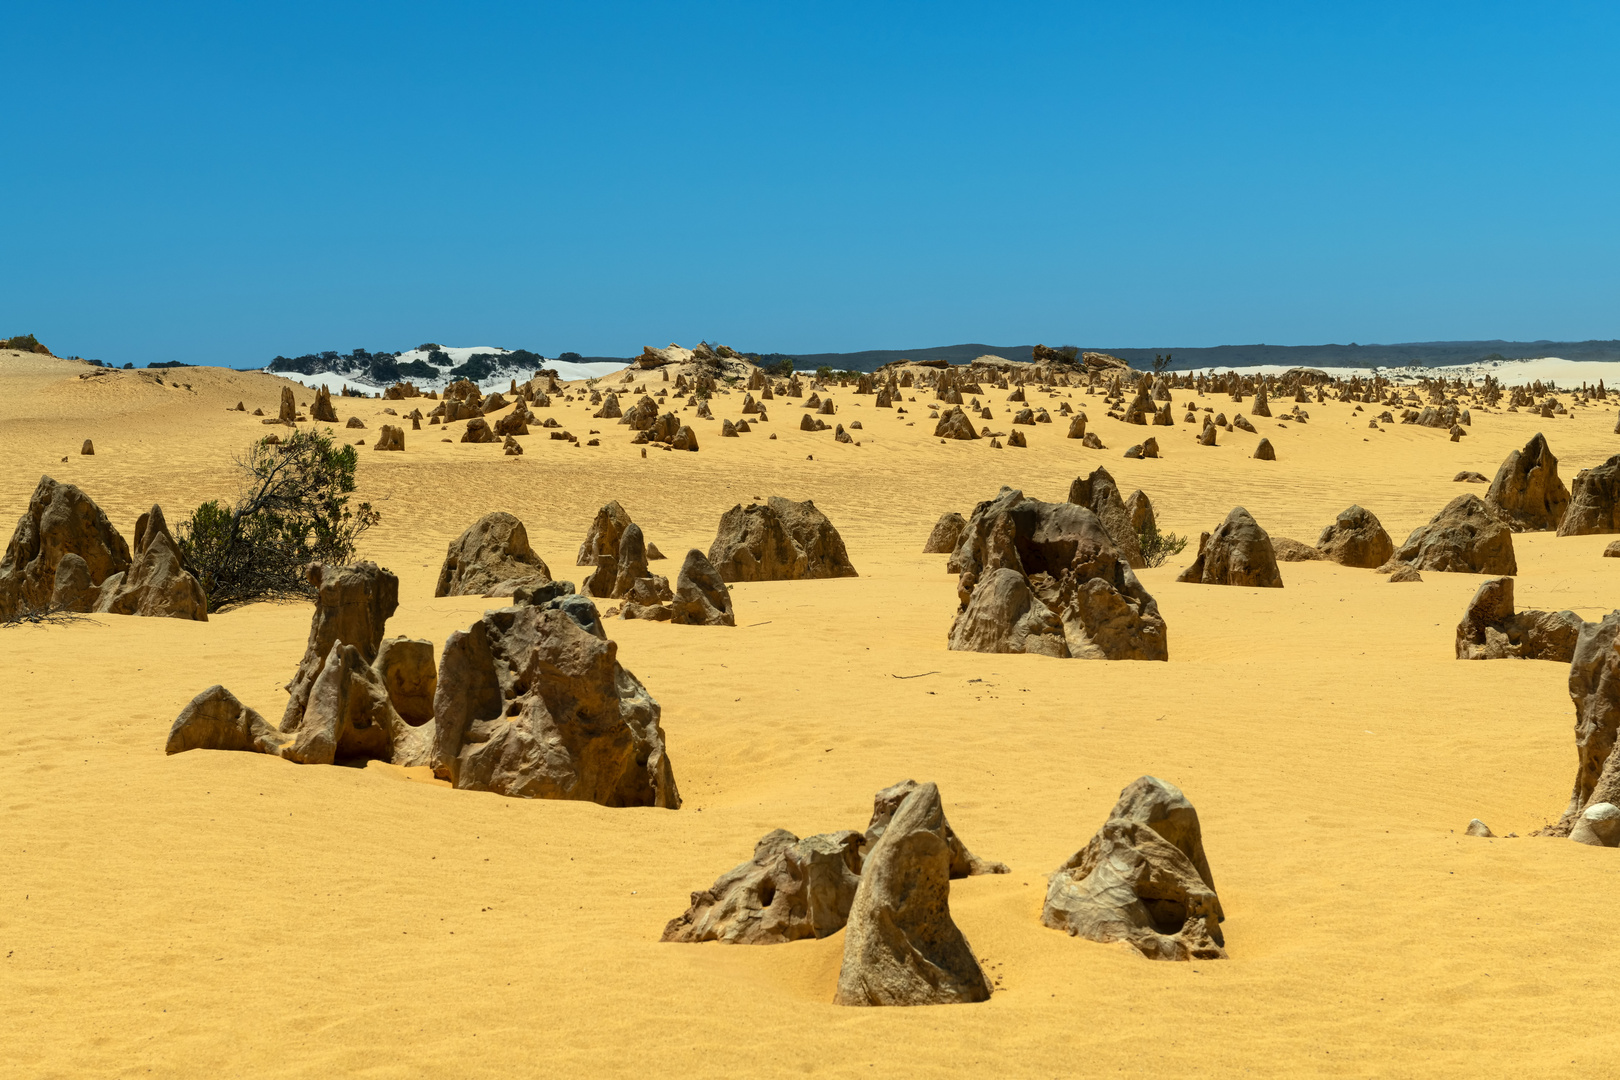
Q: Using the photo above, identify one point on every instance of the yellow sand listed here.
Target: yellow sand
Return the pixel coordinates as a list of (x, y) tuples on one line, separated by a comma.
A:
[(226, 914)]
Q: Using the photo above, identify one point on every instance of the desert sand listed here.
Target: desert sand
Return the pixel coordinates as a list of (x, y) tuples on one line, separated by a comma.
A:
[(231, 914)]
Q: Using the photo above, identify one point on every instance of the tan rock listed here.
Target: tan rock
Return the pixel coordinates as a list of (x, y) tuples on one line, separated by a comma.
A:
[(491, 558)]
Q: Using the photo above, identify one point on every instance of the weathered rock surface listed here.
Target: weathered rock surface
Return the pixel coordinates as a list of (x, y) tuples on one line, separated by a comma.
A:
[(701, 596), (492, 558), (1463, 538), (532, 702), (1070, 572), (1491, 630), (901, 946), (60, 520), (1594, 505), (155, 584), (1142, 879), (791, 889), (1356, 538), (1100, 495), (1594, 688), (390, 437), (779, 541), (352, 605), (1238, 552), (322, 410), (602, 538), (954, 424), (963, 862), (1598, 825), (216, 720), (1527, 493), (947, 531)]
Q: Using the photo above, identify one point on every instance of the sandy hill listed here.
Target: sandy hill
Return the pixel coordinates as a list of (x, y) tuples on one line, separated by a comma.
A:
[(227, 914)]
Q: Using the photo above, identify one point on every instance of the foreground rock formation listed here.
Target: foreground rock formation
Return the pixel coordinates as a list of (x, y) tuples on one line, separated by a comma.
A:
[(492, 558), (780, 540), (532, 702), (1046, 578), (1491, 630), (1527, 493), (794, 888), (901, 946), (1142, 879), (1464, 538), (1238, 552)]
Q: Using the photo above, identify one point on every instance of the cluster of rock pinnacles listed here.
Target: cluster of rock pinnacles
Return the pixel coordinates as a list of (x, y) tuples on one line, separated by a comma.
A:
[(530, 701), (1143, 880)]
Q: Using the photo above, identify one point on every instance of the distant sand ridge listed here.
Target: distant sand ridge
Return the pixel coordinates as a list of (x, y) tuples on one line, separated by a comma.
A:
[(1335, 749)]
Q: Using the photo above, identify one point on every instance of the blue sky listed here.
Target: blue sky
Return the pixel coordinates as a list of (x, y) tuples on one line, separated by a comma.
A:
[(221, 183)]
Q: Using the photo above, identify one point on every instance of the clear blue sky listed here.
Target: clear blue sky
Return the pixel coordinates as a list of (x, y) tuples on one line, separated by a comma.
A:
[(220, 183)]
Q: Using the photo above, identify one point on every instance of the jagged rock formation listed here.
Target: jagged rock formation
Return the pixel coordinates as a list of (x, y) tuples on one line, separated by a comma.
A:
[(1238, 552), (492, 558), (1069, 592), (625, 576), (155, 584), (887, 802), (779, 541), (532, 702), (390, 438), (341, 707), (954, 424), (1527, 493), (60, 520), (947, 531), (1100, 495), (701, 596), (1594, 688), (289, 407), (1464, 538), (1142, 879), (322, 409), (1491, 630), (901, 946), (791, 889), (602, 538), (216, 720), (1356, 538), (1594, 505)]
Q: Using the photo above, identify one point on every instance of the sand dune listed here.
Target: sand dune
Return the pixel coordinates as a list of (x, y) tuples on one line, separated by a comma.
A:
[(230, 914)]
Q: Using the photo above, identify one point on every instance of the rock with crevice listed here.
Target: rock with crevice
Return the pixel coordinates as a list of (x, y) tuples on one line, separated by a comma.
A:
[(1143, 879), (1071, 594), (901, 946), (701, 597), (1594, 688), (789, 890), (532, 702), (1100, 494)]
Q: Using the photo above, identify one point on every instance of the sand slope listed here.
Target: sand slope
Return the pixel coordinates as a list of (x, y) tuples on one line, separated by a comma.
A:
[(227, 914)]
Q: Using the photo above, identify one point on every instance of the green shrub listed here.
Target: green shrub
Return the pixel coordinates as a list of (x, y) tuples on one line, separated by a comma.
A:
[(292, 510), (24, 343), (1158, 547)]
